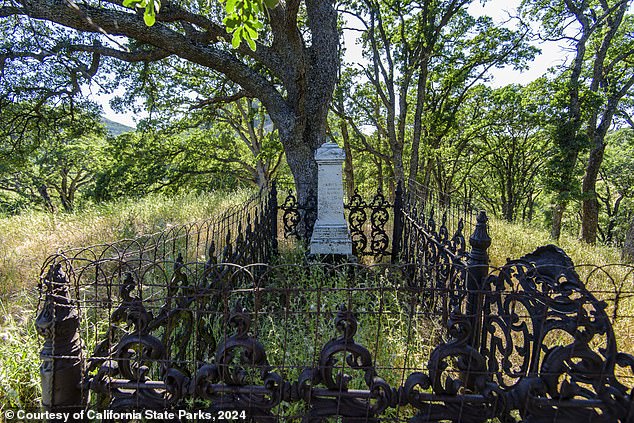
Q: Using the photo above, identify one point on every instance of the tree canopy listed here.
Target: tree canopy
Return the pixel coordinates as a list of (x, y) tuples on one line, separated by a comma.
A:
[(292, 71)]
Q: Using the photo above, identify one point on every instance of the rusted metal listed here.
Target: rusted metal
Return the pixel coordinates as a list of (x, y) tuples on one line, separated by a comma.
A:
[(62, 361)]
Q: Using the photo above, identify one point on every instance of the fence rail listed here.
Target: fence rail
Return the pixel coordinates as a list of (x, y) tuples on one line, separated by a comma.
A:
[(436, 336)]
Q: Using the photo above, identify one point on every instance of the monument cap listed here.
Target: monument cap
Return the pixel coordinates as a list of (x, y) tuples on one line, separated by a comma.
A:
[(330, 151)]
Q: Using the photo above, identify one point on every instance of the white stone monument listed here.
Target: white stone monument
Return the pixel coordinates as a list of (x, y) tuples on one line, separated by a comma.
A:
[(330, 234)]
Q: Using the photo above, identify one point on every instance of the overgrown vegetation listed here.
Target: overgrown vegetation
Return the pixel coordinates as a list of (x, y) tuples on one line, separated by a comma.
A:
[(25, 250), (19, 354), (27, 239)]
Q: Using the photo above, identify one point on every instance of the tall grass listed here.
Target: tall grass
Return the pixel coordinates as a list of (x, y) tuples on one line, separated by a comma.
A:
[(27, 239), (19, 357), (513, 240)]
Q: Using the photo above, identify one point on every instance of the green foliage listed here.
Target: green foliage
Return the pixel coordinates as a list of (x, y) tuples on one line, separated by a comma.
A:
[(144, 162), (55, 161), (232, 146), (243, 17), (511, 144), (19, 357), (615, 188), (243, 20), (151, 8), (424, 59)]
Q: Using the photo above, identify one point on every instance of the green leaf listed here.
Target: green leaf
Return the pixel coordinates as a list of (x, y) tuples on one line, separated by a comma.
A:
[(237, 38), (251, 32), (231, 22), (150, 13), (271, 3), (230, 7), (130, 3), (150, 19), (251, 43)]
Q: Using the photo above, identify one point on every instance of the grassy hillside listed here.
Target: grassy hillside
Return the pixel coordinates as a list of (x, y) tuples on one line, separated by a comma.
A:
[(513, 240), (116, 128), (27, 239)]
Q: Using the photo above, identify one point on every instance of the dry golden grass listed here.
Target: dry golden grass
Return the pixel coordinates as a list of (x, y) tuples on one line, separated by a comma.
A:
[(27, 239), (513, 240), (599, 267)]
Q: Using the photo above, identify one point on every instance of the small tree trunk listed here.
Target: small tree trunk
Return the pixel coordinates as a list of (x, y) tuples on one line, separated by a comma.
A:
[(263, 177), (627, 253), (379, 173), (397, 158), (418, 125), (348, 170), (43, 190), (558, 214)]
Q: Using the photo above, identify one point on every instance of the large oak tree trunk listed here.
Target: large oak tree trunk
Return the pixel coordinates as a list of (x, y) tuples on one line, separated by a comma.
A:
[(301, 160)]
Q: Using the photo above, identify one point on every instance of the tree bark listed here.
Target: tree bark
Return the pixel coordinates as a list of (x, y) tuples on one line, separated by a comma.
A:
[(601, 78), (590, 205), (418, 124), (558, 215), (348, 169), (43, 191), (627, 253)]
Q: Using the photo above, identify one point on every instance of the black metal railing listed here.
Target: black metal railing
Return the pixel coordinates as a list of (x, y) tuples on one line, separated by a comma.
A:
[(438, 335), (222, 238), (370, 221)]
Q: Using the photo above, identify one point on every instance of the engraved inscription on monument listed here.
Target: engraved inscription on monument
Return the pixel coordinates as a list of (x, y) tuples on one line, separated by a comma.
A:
[(331, 234)]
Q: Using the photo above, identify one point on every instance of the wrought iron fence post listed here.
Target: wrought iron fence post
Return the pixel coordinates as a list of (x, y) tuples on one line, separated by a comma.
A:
[(477, 271), (273, 216), (397, 233), (61, 367)]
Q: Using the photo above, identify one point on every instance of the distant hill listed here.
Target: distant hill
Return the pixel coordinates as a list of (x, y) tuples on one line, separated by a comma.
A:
[(115, 128)]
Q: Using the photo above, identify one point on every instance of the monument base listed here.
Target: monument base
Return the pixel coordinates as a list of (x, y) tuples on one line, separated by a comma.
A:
[(330, 239), (334, 259)]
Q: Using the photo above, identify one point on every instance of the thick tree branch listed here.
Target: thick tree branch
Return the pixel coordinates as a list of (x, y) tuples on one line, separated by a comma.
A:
[(114, 22), (127, 56)]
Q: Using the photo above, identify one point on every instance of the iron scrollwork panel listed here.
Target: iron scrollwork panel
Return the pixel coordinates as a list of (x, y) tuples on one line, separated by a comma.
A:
[(377, 244), (299, 219)]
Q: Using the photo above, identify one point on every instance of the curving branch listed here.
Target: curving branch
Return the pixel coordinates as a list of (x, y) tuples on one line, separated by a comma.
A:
[(113, 22), (222, 99), (127, 56)]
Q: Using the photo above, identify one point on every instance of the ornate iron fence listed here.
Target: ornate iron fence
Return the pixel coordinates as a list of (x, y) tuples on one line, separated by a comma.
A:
[(222, 238), (370, 222), (272, 343), (439, 337), (298, 219)]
